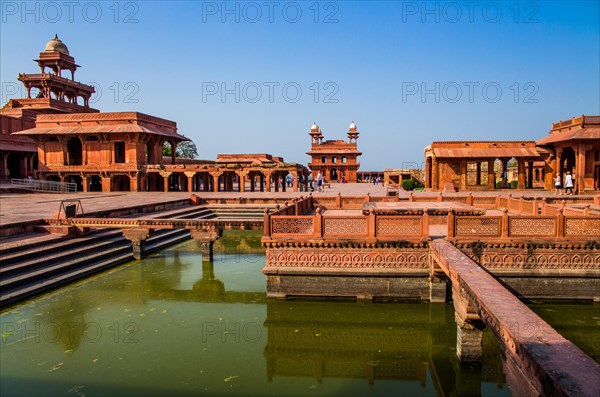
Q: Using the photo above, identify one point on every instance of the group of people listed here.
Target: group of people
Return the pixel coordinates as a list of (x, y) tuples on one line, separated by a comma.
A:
[(320, 182), (569, 184)]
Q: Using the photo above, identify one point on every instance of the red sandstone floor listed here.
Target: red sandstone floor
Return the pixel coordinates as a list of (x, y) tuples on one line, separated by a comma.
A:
[(21, 207)]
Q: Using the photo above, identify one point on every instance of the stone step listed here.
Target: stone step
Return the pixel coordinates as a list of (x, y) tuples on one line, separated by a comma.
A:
[(34, 282), (35, 287), (58, 245), (51, 269), (45, 258)]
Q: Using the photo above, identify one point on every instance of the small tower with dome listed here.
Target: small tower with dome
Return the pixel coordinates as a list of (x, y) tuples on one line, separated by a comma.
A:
[(335, 159), (54, 89)]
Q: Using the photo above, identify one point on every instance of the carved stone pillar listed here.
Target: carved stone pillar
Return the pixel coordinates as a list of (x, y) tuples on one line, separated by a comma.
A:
[(138, 239), (521, 174), (207, 239), (491, 175), (190, 181), (469, 327)]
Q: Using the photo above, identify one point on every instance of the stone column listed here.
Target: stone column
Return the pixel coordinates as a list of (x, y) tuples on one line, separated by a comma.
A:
[(435, 185), (86, 183), (530, 175), (106, 184), (463, 174), (242, 182), (295, 181), (268, 181), (491, 175), (215, 182), (190, 181), (138, 239), (165, 181), (207, 239), (580, 168), (521, 174), (3, 165), (469, 327), (133, 183)]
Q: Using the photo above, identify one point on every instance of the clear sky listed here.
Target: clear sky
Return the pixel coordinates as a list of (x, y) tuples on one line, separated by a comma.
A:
[(251, 77)]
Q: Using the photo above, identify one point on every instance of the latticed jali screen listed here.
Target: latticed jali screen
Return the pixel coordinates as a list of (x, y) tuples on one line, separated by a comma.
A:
[(582, 227), (395, 225), (345, 226), (534, 226), (292, 225), (477, 226)]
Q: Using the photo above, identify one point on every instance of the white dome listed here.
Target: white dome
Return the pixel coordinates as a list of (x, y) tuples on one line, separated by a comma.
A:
[(314, 127), (352, 126)]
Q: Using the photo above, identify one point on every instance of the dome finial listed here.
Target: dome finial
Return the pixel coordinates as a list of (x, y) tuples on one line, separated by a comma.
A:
[(56, 45)]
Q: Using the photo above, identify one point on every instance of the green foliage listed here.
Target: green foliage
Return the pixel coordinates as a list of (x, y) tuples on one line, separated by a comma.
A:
[(185, 150), (514, 184), (499, 185), (409, 184)]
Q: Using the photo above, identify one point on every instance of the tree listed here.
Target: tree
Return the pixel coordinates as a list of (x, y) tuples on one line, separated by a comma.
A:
[(185, 150)]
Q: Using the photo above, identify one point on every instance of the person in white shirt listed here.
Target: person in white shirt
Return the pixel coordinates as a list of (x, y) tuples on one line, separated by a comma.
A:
[(319, 182), (557, 184), (569, 183)]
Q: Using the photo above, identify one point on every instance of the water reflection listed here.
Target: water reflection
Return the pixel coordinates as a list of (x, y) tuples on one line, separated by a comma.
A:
[(374, 342), (171, 325)]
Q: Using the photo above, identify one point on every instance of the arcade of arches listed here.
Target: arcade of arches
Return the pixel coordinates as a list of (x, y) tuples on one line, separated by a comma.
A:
[(571, 146), (123, 152)]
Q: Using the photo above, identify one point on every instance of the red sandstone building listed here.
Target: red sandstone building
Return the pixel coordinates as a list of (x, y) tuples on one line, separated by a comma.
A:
[(572, 145), (47, 93), (335, 159), (122, 151)]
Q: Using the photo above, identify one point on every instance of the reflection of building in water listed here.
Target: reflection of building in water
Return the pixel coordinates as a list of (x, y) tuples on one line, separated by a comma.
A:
[(373, 342)]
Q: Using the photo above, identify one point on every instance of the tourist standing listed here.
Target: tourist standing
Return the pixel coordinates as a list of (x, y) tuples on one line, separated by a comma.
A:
[(557, 183), (569, 183), (319, 182)]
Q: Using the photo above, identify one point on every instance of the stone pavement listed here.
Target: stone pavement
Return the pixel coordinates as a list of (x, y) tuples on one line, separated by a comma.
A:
[(23, 207)]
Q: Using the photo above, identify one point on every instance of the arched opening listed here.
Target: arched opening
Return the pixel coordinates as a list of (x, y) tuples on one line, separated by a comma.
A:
[(95, 183), (53, 178), (76, 179), (334, 174), (202, 182), (155, 182), (177, 182), (567, 161), (151, 153), (257, 181), (120, 183), (13, 163), (74, 151)]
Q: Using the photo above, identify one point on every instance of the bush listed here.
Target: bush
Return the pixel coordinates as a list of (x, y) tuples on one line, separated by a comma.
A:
[(514, 184), (499, 185), (408, 184)]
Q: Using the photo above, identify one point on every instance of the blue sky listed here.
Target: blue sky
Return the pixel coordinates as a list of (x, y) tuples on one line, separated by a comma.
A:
[(251, 77)]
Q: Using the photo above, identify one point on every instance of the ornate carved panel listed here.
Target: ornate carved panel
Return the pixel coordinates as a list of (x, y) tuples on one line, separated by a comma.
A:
[(405, 258), (532, 226), (398, 225), (582, 227), (477, 226), (345, 226), (512, 258), (292, 225)]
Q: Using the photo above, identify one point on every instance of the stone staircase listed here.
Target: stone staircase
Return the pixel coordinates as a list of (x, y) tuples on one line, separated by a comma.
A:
[(233, 212), (35, 265)]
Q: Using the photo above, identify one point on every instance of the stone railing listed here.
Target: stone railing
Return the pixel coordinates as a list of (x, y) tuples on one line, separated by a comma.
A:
[(503, 227), (363, 228), (515, 204)]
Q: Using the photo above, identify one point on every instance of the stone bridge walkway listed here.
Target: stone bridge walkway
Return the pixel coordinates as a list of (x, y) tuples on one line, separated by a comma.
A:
[(539, 361)]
